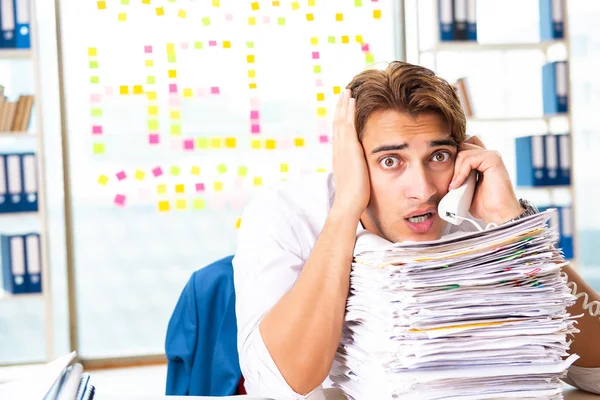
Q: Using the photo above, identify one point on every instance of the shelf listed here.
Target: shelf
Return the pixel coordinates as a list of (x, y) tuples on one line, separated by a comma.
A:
[(9, 296), (15, 215), (474, 46), (9, 54)]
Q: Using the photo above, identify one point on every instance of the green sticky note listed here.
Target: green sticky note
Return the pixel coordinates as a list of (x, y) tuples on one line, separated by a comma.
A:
[(96, 112), (151, 80), (175, 170), (172, 58), (202, 143), (357, 3), (93, 64), (94, 79), (281, 21), (199, 204), (250, 45), (331, 39), (98, 148), (153, 125), (369, 58), (242, 171), (206, 21), (317, 69), (222, 168), (198, 45), (175, 129), (125, 2)]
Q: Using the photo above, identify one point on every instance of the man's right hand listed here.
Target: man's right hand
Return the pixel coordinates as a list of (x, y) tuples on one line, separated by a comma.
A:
[(350, 173)]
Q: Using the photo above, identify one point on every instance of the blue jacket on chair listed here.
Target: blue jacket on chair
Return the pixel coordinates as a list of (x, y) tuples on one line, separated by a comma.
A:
[(201, 343)]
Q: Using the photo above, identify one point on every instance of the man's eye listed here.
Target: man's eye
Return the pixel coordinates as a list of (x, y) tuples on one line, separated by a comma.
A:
[(442, 156), (389, 162)]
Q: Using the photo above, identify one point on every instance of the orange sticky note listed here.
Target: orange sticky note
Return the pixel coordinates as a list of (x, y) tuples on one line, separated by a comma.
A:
[(101, 5), (160, 11), (299, 142), (180, 188), (163, 205), (181, 204), (321, 170), (376, 14), (230, 142), (270, 144), (250, 58), (339, 17), (103, 180)]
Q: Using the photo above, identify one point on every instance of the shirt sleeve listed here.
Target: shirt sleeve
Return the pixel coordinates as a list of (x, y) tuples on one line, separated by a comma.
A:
[(266, 265), (587, 379)]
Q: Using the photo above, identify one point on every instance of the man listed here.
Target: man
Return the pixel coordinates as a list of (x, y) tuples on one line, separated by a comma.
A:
[(398, 146)]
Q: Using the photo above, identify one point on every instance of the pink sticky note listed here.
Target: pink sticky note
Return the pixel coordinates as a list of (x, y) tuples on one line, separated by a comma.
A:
[(97, 130), (147, 49), (254, 103), (318, 83), (212, 43), (174, 101), (120, 200), (255, 128), (324, 139), (254, 114), (121, 175), (185, 45), (153, 138), (157, 171), (215, 90), (228, 17), (172, 88), (365, 47), (266, 19), (188, 144), (108, 90), (315, 55), (95, 98), (199, 187), (200, 92)]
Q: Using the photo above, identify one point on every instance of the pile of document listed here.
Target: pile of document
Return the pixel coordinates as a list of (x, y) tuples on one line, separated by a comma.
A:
[(472, 316)]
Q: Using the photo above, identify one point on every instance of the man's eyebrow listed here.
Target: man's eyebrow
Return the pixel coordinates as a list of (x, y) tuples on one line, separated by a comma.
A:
[(389, 147), (443, 142)]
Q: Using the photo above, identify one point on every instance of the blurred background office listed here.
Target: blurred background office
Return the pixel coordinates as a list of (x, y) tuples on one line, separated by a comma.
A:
[(133, 132)]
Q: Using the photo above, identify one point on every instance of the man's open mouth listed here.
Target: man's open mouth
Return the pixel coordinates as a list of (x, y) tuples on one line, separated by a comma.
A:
[(419, 218)]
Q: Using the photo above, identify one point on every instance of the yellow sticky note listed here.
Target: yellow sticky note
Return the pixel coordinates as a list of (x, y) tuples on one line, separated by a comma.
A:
[(321, 170), (251, 73), (181, 204), (345, 39), (281, 21), (160, 11), (252, 85), (275, 3), (250, 58), (317, 69), (175, 114), (153, 125), (226, 44), (195, 170), (310, 17), (122, 17), (172, 73), (299, 142), (180, 188), (150, 80), (337, 90), (359, 39), (170, 48), (138, 89), (92, 51), (314, 40), (221, 168), (230, 142), (175, 129), (320, 96), (322, 111), (199, 204), (163, 205), (257, 181), (175, 170), (284, 167), (242, 171), (255, 6), (218, 186), (376, 14), (161, 188), (98, 148), (339, 17), (206, 21), (101, 5), (103, 179), (295, 5), (149, 63), (251, 20), (139, 175), (270, 144), (216, 3), (238, 223), (182, 13), (187, 92), (151, 95), (202, 143), (152, 110), (145, 1), (255, 144), (215, 143), (311, 3), (123, 89)]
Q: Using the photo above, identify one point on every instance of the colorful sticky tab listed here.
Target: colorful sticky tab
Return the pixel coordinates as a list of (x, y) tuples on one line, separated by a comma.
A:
[(98, 148), (206, 21), (138, 89), (311, 3), (320, 96), (357, 3), (101, 5), (157, 171), (149, 63), (331, 39), (337, 90), (172, 73), (172, 88), (161, 188), (96, 112), (369, 58), (188, 144), (216, 3), (295, 5), (97, 129), (314, 40), (284, 167), (182, 14), (94, 79), (153, 138), (153, 110), (310, 17), (120, 200), (270, 144), (221, 168), (299, 142), (212, 43), (252, 85), (180, 188), (147, 49), (175, 170), (175, 129), (250, 45), (123, 89), (195, 170), (153, 125), (93, 64), (323, 139), (255, 144), (202, 143), (255, 128), (215, 143), (199, 187), (317, 69), (257, 181), (215, 90), (250, 58), (230, 142), (226, 44), (315, 55), (198, 45), (121, 175), (175, 114), (199, 204), (103, 180), (255, 6), (160, 11), (322, 111), (92, 51), (139, 175), (218, 186), (339, 17), (122, 17), (345, 39), (359, 39), (238, 223), (281, 21), (377, 14), (251, 21), (251, 73), (242, 171), (275, 3), (164, 205), (180, 204)]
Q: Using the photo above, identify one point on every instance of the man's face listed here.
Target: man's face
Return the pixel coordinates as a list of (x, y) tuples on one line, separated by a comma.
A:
[(411, 164)]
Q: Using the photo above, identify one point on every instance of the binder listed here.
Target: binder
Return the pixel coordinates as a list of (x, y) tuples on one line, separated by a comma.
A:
[(7, 24), (555, 87), (33, 263), (15, 182), (531, 161), (3, 185), (446, 20), (566, 232), (552, 17), (551, 167), (18, 183), (472, 20), (23, 20), (30, 182), (14, 275), (564, 159), (460, 20)]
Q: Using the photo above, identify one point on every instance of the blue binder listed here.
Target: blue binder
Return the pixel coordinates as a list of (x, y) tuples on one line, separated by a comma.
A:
[(555, 78), (14, 271), (472, 20), (4, 203), (551, 167), (23, 20), (33, 262), (7, 24), (30, 182), (552, 17), (531, 161), (18, 183), (446, 20), (562, 219), (460, 20)]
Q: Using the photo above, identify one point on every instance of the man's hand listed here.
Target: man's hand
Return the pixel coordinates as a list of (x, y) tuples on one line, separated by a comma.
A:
[(350, 173), (494, 200)]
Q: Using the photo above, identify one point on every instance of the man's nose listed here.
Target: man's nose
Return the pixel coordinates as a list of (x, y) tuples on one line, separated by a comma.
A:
[(419, 183)]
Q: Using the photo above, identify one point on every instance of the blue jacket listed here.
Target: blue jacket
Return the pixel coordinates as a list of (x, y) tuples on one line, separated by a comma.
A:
[(201, 343)]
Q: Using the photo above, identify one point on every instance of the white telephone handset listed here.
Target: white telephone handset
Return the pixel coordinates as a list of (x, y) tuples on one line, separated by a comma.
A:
[(455, 205)]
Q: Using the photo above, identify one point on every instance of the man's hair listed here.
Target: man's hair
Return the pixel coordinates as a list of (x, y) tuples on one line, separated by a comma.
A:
[(410, 89)]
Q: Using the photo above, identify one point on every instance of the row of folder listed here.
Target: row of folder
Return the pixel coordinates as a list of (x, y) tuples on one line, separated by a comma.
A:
[(15, 24), (480, 315), (552, 19), (18, 183), (21, 263), (457, 20), (563, 222), (543, 160)]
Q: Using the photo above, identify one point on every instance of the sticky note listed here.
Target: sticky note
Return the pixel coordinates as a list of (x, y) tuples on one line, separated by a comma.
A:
[(175, 114), (95, 79), (97, 129), (226, 44), (254, 5), (284, 167), (339, 17), (206, 21), (103, 180), (215, 143), (160, 11), (250, 45), (175, 170), (149, 63), (138, 89), (152, 110), (238, 223), (299, 142), (180, 188), (323, 139), (221, 168), (250, 58), (121, 175), (251, 20), (93, 64), (251, 73), (164, 205), (153, 138), (275, 3), (314, 40), (365, 47), (281, 21), (295, 5), (242, 171), (145, 1), (357, 3), (270, 144), (157, 171), (370, 58), (172, 88), (181, 13), (199, 204), (218, 186), (315, 55), (257, 181), (331, 39), (317, 69), (120, 200), (359, 39), (202, 143), (161, 188), (198, 45), (96, 112), (377, 14), (311, 3), (322, 111), (199, 187), (230, 142), (214, 90), (171, 58), (151, 95), (98, 148), (139, 175), (125, 2), (175, 129), (216, 3), (337, 90), (172, 73), (122, 17), (345, 39), (255, 128), (153, 125), (101, 5), (181, 204), (92, 51), (188, 144), (320, 96), (195, 170), (321, 170), (123, 89), (310, 17), (212, 43), (255, 144)]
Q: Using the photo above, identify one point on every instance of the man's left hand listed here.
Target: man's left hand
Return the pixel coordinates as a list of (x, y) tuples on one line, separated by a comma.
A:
[(494, 200)]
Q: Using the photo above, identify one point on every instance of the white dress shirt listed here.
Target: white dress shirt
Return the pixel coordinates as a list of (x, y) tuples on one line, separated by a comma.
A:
[(279, 228)]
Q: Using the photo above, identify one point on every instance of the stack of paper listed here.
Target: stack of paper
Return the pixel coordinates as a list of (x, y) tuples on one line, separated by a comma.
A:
[(471, 316)]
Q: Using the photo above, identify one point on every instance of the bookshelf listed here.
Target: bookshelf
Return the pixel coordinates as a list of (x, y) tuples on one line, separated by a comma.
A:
[(25, 71), (428, 50)]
